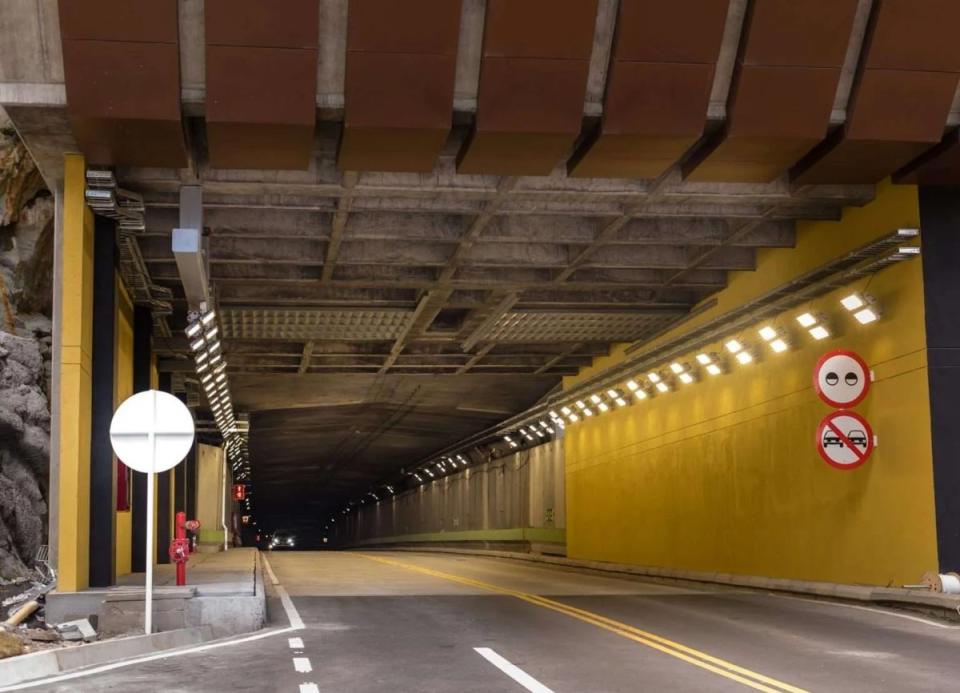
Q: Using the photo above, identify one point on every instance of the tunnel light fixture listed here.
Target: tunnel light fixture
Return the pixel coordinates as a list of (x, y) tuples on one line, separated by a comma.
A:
[(640, 393), (677, 368), (744, 357), (779, 345), (768, 333), (566, 411), (193, 329), (220, 378), (704, 359), (686, 378), (734, 346), (581, 405), (553, 414), (654, 377), (620, 401), (632, 385), (819, 332), (714, 369), (210, 334), (573, 418), (201, 357), (807, 320), (612, 394), (588, 412), (662, 387), (197, 345), (595, 399), (208, 318), (201, 367), (863, 307), (775, 338), (603, 407)]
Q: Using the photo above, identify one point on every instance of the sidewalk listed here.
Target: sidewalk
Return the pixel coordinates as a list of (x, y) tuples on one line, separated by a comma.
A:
[(224, 591)]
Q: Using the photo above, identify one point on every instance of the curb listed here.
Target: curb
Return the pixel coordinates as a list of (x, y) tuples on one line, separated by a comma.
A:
[(945, 606), (36, 665)]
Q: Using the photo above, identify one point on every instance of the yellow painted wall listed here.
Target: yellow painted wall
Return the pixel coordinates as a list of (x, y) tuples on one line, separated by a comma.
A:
[(123, 388), (724, 476), (76, 331)]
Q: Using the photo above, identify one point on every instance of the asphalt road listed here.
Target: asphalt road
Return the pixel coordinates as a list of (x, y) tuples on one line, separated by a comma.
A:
[(428, 622)]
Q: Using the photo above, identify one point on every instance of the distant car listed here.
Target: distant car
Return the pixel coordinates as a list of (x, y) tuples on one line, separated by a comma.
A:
[(281, 540)]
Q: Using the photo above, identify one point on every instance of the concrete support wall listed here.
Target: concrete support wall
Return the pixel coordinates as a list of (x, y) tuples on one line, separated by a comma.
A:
[(213, 493), (724, 475), (515, 498)]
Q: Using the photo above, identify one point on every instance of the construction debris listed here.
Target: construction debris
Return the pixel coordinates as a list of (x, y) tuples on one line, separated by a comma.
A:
[(77, 630)]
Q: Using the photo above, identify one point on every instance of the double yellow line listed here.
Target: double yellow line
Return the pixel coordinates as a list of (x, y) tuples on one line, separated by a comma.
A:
[(718, 666)]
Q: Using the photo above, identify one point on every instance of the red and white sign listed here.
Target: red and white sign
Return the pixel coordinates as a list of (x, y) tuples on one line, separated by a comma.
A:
[(844, 439), (842, 378)]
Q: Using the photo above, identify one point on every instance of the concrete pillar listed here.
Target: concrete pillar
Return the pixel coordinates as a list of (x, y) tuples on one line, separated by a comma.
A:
[(940, 221), (73, 376), (142, 348), (103, 490)]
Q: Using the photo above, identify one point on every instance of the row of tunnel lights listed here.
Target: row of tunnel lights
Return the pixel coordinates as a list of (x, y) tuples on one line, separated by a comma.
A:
[(862, 307), (211, 368)]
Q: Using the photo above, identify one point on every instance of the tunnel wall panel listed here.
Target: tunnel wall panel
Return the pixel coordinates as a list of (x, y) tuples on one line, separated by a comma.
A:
[(724, 476), (515, 498)]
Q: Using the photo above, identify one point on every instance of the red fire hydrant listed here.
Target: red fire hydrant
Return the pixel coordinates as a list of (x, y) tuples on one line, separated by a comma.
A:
[(180, 546)]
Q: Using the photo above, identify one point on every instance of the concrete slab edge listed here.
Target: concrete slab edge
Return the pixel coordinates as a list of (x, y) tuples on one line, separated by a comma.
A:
[(37, 665), (933, 603)]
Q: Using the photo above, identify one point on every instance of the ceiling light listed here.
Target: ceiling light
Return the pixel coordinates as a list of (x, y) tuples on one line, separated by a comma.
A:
[(640, 394), (632, 385), (768, 333), (574, 418), (654, 377), (612, 394), (553, 414), (220, 378), (745, 357), (714, 369), (621, 402), (853, 302), (866, 316), (201, 367), (196, 345), (676, 368), (807, 320), (580, 404), (686, 378), (733, 346), (587, 412), (704, 359), (595, 399), (214, 347), (208, 318), (779, 346), (566, 411), (193, 330), (210, 334), (201, 357), (819, 332), (603, 407), (663, 387)]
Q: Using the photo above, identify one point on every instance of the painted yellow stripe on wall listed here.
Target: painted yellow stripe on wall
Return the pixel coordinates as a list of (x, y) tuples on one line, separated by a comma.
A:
[(76, 330), (690, 655)]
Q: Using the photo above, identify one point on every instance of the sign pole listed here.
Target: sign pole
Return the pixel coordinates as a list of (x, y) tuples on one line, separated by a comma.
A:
[(148, 605)]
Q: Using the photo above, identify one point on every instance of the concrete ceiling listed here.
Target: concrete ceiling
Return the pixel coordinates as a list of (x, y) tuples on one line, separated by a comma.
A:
[(391, 278)]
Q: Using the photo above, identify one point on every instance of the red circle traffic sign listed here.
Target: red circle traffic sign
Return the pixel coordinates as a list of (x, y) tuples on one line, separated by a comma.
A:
[(844, 439), (841, 378)]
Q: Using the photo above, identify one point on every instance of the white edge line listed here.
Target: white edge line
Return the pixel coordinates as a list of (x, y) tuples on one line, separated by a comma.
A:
[(874, 610), (512, 670), (296, 623), (179, 652)]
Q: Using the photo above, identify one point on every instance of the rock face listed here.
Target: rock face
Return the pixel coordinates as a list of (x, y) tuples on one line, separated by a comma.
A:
[(26, 269)]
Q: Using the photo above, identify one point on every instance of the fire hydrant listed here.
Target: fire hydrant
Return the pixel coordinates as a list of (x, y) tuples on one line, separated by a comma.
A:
[(180, 546)]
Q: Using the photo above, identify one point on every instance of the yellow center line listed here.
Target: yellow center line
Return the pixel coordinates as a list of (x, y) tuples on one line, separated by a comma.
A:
[(687, 654)]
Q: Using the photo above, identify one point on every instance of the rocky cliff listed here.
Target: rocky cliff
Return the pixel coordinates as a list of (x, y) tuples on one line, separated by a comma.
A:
[(26, 268)]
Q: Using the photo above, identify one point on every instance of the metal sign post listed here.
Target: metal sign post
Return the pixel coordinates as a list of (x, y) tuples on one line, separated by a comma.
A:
[(151, 432)]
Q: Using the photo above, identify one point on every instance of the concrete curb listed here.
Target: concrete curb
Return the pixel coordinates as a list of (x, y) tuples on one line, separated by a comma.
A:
[(942, 605), (39, 665)]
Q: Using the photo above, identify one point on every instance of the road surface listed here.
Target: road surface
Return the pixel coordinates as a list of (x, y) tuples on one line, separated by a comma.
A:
[(401, 621)]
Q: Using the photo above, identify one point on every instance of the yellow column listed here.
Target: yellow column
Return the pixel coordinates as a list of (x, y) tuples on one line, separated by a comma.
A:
[(123, 388), (75, 380)]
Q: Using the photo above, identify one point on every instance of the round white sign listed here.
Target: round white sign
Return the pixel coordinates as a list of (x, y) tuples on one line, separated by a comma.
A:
[(842, 378), (152, 432)]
